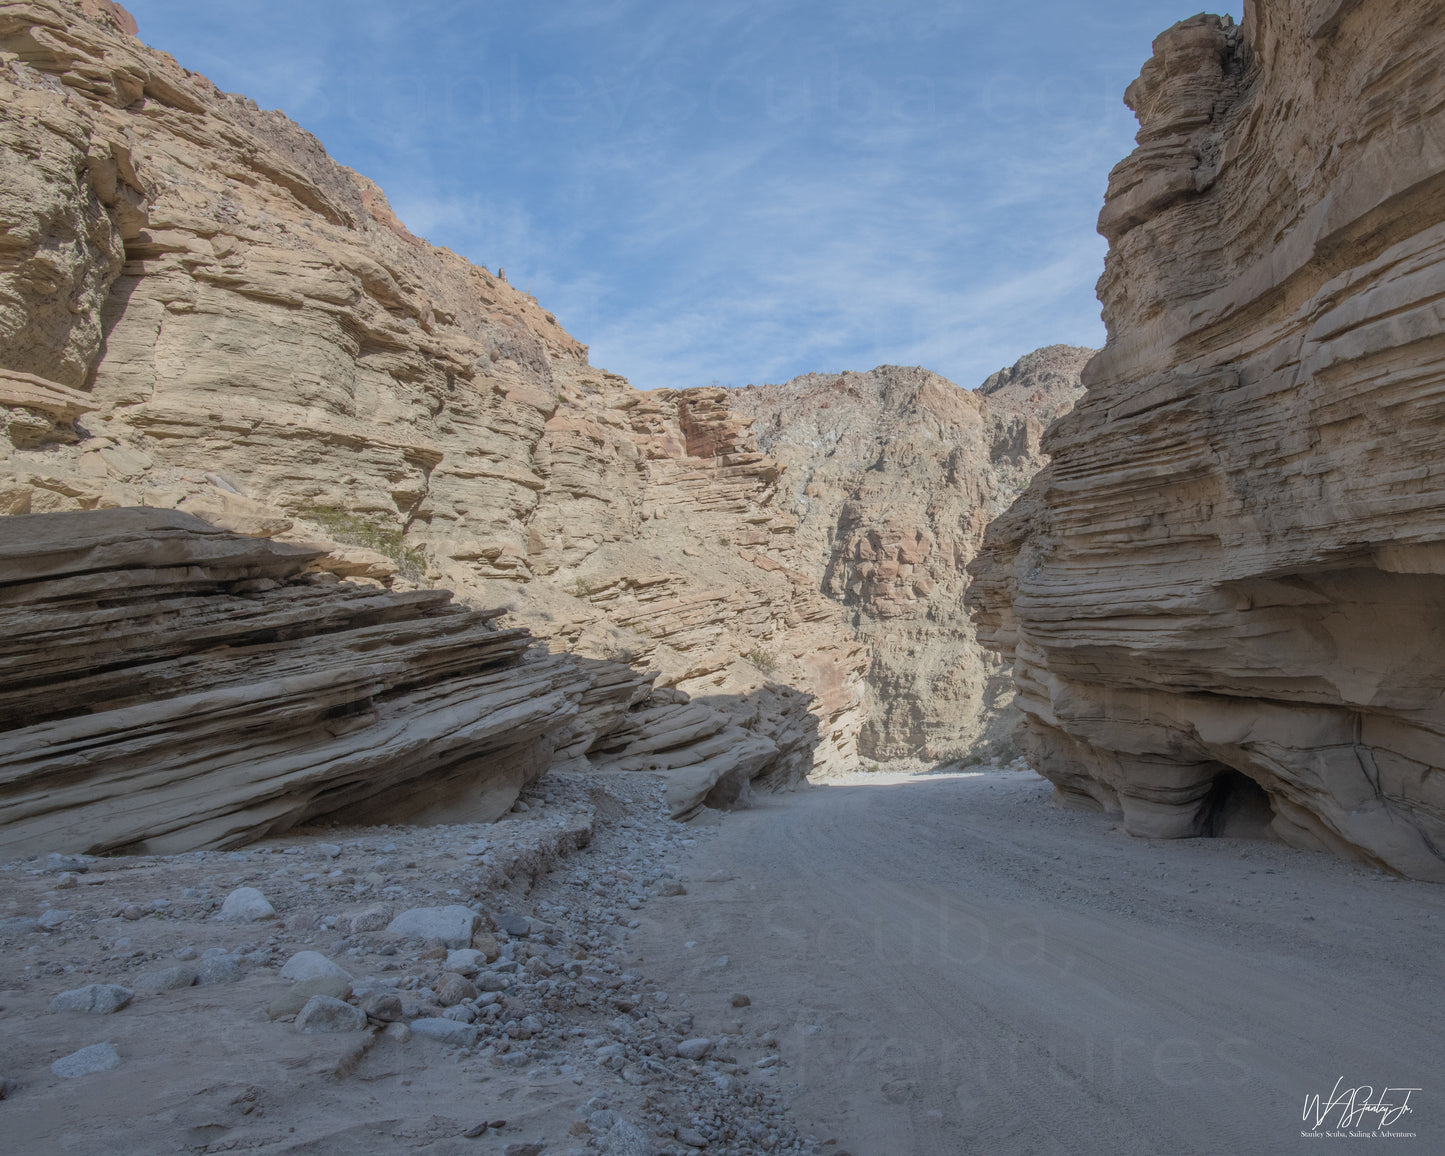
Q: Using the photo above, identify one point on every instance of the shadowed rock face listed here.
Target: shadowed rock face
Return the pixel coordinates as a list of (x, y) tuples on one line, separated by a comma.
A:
[(1225, 593), (168, 686), (893, 475)]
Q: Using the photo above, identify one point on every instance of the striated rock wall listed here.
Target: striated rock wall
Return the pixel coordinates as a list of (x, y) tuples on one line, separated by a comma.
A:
[(168, 686), (893, 475), (201, 311), (1224, 596)]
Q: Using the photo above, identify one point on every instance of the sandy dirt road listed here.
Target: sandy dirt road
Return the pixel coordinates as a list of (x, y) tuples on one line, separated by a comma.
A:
[(955, 966)]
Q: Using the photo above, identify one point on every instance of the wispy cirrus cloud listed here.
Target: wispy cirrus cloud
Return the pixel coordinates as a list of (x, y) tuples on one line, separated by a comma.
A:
[(741, 190)]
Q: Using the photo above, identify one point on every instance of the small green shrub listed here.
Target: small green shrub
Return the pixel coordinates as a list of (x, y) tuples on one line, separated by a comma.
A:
[(358, 530), (763, 660)]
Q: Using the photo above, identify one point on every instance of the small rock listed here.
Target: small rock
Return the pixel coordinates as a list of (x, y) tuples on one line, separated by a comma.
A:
[(219, 969), (66, 881), (486, 943), (452, 925), (694, 1049), (166, 979), (96, 1058), (520, 807), (16, 926), (467, 961), (372, 919), (8, 1087), (246, 905), (322, 1013), (453, 989), (669, 887), (330, 850), (461, 1012), (187, 953), (522, 1150), (514, 924), (476, 1130), (313, 965), (692, 1138), (613, 1056), (625, 1140), (741, 1000), (446, 1031), (50, 920), (100, 999), (132, 912), (290, 1003), (383, 1006)]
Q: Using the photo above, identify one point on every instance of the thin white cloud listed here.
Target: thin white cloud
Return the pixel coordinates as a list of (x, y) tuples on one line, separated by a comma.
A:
[(739, 190)]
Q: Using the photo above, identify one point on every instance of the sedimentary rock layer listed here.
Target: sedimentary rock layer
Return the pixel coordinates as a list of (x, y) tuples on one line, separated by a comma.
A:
[(1224, 597), (166, 686), (893, 475)]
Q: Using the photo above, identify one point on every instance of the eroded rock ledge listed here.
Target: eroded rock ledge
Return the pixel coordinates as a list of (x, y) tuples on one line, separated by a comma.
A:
[(1224, 597), (167, 686)]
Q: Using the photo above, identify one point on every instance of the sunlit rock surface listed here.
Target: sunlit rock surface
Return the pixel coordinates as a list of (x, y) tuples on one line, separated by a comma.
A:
[(1225, 597)]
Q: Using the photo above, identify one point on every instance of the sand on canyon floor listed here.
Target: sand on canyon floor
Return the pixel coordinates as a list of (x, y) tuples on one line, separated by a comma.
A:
[(964, 968), (886, 965)]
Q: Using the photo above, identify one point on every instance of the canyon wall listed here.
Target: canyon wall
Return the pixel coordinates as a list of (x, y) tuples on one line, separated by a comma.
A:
[(893, 475), (1225, 597), (201, 311)]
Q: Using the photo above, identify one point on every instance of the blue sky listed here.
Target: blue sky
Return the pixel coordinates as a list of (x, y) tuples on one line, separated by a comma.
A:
[(731, 191)]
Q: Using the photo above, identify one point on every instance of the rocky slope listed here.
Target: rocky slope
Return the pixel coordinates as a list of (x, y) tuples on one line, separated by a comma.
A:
[(200, 310), (468, 988), (893, 475), (1223, 596)]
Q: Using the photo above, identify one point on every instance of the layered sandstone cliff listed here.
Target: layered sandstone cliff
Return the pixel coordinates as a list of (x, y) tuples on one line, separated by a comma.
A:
[(893, 475), (1224, 597), (166, 686), (201, 311)]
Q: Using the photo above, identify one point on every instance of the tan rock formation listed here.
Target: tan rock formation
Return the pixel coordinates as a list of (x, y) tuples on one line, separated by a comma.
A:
[(893, 476), (1223, 596), (200, 310), (168, 686)]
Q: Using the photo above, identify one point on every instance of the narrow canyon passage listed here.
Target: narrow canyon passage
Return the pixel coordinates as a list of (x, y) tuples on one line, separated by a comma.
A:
[(951, 965)]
